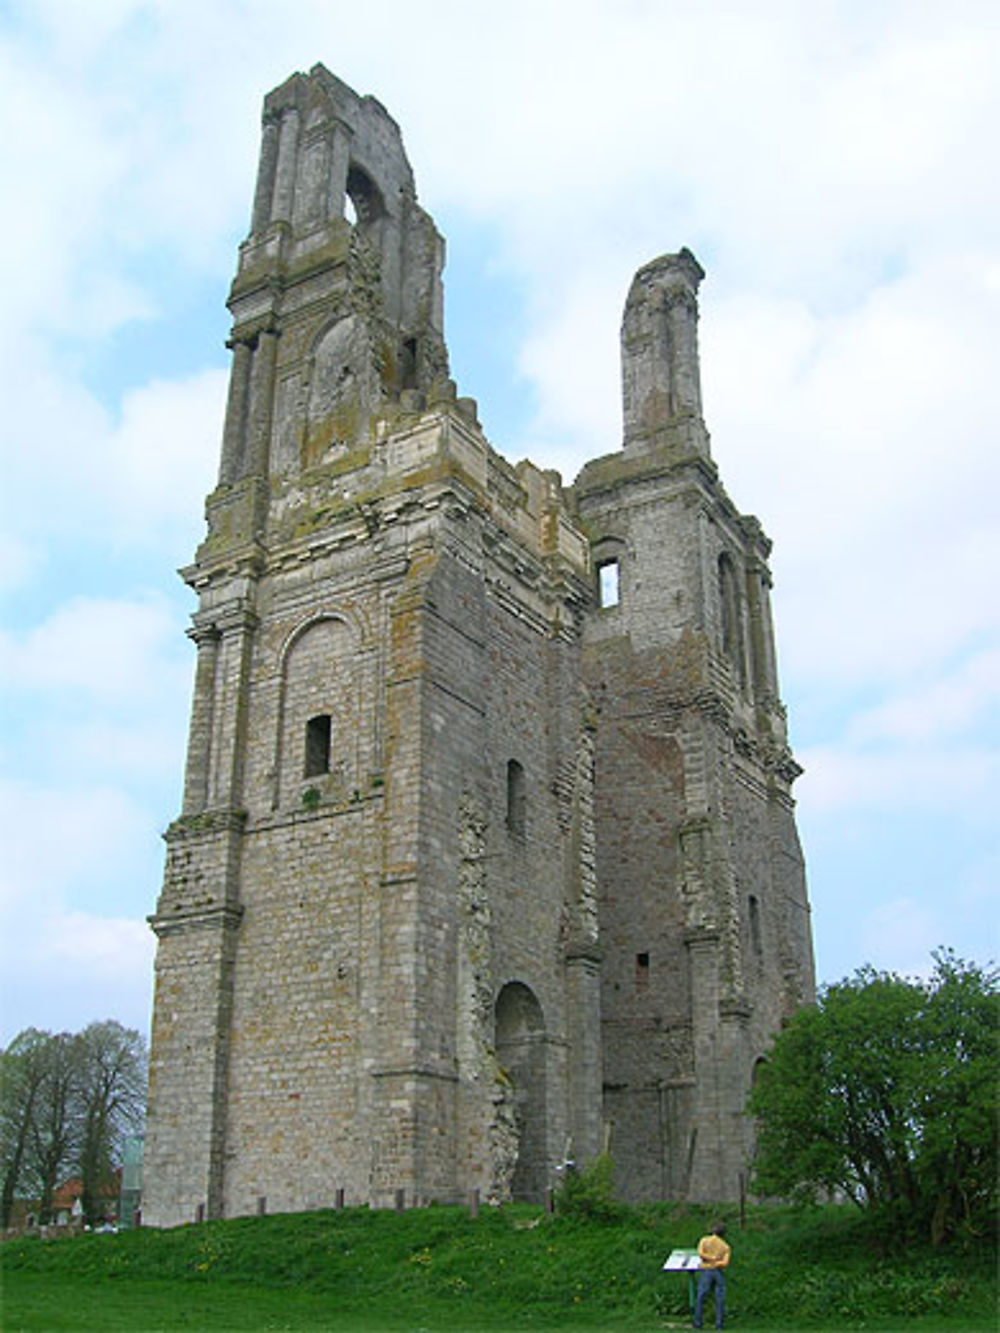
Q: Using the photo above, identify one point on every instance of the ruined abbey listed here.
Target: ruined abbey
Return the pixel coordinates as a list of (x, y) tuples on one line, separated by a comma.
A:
[(487, 855)]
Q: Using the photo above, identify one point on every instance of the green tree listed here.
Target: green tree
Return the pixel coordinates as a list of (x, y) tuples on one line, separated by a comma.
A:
[(957, 1162), (112, 1103), (886, 1092), (23, 1070), (54, 1125)]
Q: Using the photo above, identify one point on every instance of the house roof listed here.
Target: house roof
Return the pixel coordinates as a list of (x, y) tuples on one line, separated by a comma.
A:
[(66, 1194)]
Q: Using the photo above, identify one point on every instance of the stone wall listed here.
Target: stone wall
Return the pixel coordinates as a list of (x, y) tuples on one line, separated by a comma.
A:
[(481, 863)]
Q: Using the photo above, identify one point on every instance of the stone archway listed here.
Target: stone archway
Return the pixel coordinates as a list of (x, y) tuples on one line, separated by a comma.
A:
[(521, 1051)]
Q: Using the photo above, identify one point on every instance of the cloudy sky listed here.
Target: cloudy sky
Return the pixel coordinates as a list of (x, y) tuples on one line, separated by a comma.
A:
[(833, 165)]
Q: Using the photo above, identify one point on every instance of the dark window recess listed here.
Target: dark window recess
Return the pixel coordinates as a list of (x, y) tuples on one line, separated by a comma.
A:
[(364, 196), (318, 745), (732, 624), (408, 364), (641, 971), (515, 798), (755, 940)]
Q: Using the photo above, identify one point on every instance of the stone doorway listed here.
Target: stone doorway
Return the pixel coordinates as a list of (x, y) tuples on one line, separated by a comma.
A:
[(521, 1050)]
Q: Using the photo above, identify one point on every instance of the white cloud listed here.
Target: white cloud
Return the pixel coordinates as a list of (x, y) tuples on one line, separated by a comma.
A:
[(59, 835), (80, 869), (952, 781), (826, 165), (117, 652), (98, 946), (74, 474), (95, 762), (161, 460), (953, 703), (142, 749), (572, 357), (902, 934), (19, 561), (75, 968), (865, 441)]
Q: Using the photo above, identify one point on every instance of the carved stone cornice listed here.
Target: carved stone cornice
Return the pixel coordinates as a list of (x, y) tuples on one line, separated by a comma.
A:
[(247, 561), (205, 824), (187, 921), (782, 764)]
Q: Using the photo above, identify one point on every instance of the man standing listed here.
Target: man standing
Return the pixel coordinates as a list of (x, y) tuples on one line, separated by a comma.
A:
[(714, 1254)]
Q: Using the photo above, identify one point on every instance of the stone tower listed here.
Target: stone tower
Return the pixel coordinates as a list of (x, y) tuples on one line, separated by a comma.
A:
[(487, 852), (704, 917)]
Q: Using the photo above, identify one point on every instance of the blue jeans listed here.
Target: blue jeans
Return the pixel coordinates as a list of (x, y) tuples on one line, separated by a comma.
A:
[(707, 1279)]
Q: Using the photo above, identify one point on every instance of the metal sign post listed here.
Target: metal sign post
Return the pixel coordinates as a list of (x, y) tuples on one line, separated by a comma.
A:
[(684, 1261)]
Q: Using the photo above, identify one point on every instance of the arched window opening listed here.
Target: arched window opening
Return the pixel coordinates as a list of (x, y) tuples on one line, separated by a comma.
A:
[(365, 197), (516, 799), (732, 628), (317, 745)]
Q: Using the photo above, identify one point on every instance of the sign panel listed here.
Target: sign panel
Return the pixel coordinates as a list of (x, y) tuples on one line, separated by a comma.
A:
[(681, 1261)]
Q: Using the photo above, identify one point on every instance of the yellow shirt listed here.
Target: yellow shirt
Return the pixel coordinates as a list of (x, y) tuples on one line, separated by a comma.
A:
[(713, 1252)]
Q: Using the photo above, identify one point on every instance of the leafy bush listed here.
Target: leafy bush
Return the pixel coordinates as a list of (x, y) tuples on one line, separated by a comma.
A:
[(589, 1191)]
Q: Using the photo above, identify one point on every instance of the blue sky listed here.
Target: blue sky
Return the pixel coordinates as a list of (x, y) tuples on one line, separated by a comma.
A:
[(832, 165)]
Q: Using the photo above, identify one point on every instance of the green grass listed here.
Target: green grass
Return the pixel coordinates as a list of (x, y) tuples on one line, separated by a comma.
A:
[(510, 1269)]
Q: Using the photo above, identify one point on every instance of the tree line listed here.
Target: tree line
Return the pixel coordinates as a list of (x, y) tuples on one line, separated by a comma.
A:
[(67, 1103)]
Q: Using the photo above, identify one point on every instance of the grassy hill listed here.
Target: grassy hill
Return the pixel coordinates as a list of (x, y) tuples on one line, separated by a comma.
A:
[(511, 1268)]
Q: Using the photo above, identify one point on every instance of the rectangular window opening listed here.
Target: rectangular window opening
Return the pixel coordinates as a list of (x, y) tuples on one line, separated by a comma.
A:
[(608, 591), (641, 971), (516, 799), (317, 745), (755, 937)]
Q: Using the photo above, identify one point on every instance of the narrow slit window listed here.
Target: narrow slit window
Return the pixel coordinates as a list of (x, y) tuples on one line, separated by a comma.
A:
[(408, 364), (755, 940), (608, 591), (641, 971), (317, 745), (515, 798), (732, 626)]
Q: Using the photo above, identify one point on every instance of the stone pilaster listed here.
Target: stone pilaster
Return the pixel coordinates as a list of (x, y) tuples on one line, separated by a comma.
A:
[(196, 923), (261, 402), (234, 438), (270, 135), (235, 625), (283, 197), (196, 776)]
